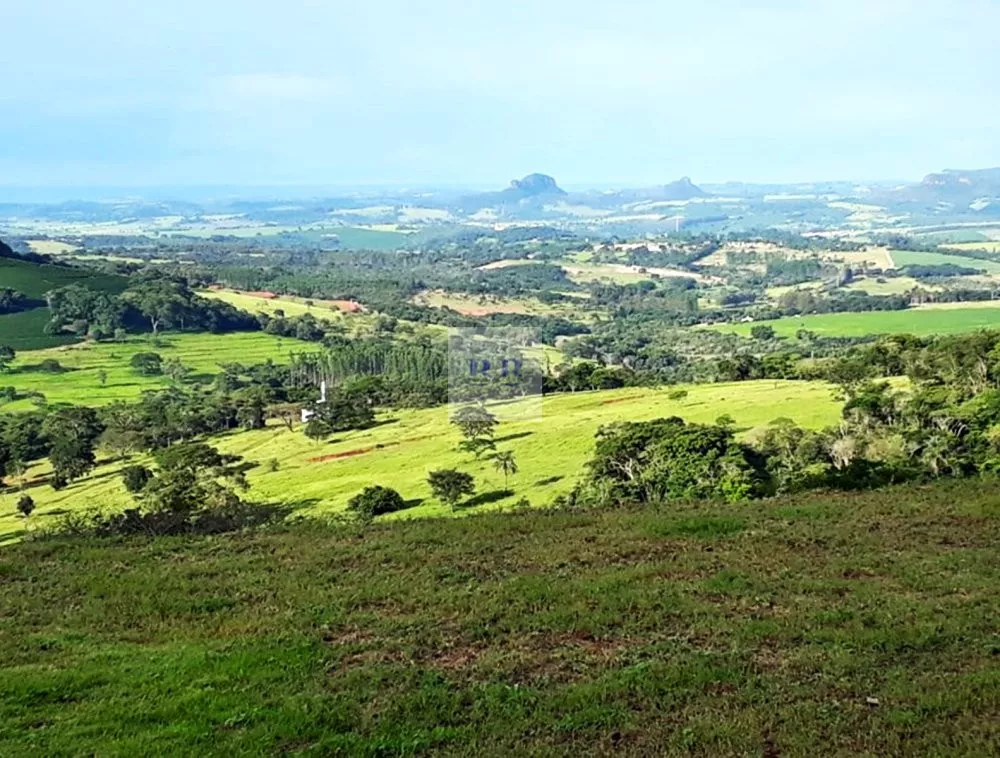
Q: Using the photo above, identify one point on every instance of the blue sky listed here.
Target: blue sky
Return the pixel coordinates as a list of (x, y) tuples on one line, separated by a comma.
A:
[(265, 92)]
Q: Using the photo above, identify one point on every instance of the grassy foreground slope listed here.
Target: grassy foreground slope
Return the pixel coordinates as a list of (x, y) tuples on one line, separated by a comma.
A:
[(825, 625), (550, 452), (919, 321)]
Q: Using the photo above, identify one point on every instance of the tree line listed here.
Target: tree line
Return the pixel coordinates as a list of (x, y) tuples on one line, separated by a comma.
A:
[(946, 423)]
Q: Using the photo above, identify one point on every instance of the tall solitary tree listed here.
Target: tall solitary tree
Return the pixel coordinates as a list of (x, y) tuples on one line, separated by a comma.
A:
[(450, 486), (26, 505), (477, 425), (475, 421), (504, 463)]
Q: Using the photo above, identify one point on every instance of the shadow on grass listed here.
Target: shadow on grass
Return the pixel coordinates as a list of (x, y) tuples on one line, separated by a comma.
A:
[(550, 480), (199, 379), (290, 507), (517, 436), (484, 498), (407, 504), (55, 369), (11, 537)]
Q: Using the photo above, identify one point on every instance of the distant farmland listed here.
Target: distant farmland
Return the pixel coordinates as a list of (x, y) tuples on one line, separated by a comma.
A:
[(35, 280), (918, 321), (988, 246), (909, 258)]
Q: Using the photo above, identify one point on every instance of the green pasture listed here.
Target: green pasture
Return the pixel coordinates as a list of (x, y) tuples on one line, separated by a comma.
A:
[(909, 258), (990, 246), (34, 280), (896, 285), (26, 331), (81, 383), (399, 453), (918, 321), (290, 306), (822, 624)]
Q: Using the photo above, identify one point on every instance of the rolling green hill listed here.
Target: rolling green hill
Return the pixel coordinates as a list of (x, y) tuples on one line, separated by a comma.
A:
[(550, 452), (24, 330), (35, 279), (821, 625), (202, 353)]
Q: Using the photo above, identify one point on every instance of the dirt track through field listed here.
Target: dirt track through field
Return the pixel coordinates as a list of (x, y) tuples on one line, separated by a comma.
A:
[(350, 453), (366, 450)]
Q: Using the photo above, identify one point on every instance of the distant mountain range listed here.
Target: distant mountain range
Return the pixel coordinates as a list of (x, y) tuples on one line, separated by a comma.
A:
[(985, 179), (967, 190), (536, 190), (949, 197)]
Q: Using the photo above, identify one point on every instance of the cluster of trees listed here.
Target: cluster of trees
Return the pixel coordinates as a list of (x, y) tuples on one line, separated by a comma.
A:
[(66, 436), (152, 302), (928, 271), (12, 301), (674, 295), (69, 436), (418, 363), (947, 423), (24, 254), (804, 301), (193, 489), (630, 351), (667, 459), (7, 355), (592, 375), (784, 271), (348, 407), (676, 254)]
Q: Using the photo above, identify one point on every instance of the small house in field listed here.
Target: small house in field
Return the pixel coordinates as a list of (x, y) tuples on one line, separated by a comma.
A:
[(308, 414)]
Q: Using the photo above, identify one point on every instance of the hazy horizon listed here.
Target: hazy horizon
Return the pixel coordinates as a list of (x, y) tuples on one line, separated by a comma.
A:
[(54, 194), (248, 94)]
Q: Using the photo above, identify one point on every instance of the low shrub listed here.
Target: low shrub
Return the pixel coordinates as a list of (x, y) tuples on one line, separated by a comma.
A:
[(374, 501)]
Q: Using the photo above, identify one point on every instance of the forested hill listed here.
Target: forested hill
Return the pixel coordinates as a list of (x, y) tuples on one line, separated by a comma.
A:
[(46, 304)]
